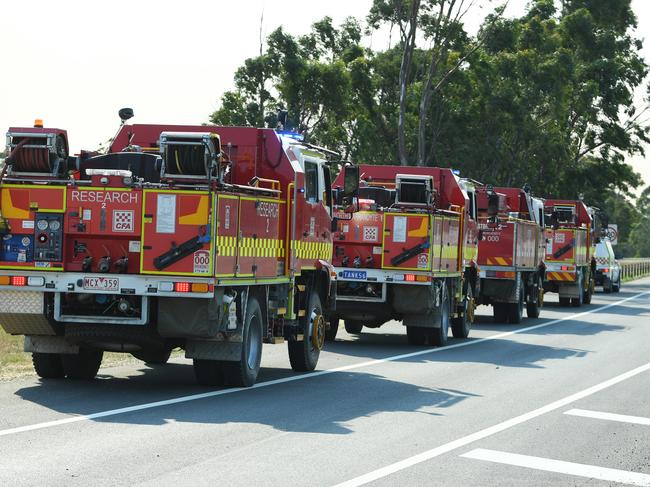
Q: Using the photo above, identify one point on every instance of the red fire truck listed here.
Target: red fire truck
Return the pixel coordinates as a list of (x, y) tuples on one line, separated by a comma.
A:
[(571, 236), (511, 252), (408, 254), (212, 239)]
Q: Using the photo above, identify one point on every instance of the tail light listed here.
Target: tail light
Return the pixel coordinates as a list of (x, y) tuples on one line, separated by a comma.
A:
[(182, 287), (18, 280)]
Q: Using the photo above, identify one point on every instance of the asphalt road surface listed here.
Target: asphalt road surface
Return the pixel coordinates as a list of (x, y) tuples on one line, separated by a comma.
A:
[(561, 400)]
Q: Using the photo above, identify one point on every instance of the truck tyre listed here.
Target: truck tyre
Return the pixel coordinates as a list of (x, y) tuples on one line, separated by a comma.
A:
[(607, 285), (84, 365), (353, 327), (590, 291), (439, 334), (500, 312), (461, 325), (48, 365), (416, 335), (243, 373), (153, 356), (209, 372), (516, 310), (303, 355), (565, 301), (330, 333), (534, 308)]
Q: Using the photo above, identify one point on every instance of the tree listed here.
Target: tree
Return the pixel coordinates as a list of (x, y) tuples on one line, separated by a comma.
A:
[(406, 15)]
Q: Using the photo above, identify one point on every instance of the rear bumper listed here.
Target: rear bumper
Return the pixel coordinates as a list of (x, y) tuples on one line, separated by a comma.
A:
[(131, 284)]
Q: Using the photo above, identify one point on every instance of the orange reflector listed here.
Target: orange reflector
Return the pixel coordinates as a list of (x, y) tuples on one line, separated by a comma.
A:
[(409, 277), (198, 287), (182, 287), (422, 278), (4, 280), (18, 281), (567, 268)]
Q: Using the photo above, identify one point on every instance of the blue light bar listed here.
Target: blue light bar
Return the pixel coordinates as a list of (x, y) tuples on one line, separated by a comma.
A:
[(292, 135)]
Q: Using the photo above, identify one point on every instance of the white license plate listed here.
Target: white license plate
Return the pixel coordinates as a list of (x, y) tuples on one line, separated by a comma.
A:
[(101, 283)]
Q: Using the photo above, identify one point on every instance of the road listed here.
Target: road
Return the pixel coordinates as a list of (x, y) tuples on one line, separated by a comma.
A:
[(564, 399)]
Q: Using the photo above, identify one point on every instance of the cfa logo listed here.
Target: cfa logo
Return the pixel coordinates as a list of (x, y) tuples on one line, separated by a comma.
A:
[(123, 220)]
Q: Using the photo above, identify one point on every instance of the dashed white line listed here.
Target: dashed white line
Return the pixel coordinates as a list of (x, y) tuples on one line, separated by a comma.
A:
[(259, 385), (497, 428), (559, 466), (622, 418)]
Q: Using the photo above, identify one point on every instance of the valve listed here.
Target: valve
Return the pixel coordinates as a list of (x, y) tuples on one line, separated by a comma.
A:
[(104, 264)]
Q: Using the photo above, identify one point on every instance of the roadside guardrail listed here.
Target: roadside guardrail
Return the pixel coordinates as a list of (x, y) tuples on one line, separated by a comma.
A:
[(634, 268)]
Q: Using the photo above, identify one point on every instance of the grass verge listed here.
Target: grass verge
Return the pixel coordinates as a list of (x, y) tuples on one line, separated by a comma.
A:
[(16, 363)]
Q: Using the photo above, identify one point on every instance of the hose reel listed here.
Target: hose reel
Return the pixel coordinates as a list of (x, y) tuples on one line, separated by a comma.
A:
[(190, 155), (37, 153)]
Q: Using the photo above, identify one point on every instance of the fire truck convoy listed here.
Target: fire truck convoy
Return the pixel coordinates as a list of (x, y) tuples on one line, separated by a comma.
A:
[(212, 239), (572, 231), (511, 252), (408, 254)]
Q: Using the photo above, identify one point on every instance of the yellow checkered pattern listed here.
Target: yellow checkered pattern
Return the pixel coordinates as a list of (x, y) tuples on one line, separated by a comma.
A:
[(258, 247), (449, 252), (249, 247), (313, 250), (226, 246)]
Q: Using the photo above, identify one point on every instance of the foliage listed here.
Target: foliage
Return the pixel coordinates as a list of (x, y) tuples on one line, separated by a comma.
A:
[(545, 99)]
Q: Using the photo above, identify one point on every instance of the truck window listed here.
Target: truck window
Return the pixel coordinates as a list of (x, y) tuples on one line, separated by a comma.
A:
[(311, 182), (472, 205), (327, 193)]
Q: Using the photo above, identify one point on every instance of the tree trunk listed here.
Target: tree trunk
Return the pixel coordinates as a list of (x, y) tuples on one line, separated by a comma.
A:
[(404, 71)]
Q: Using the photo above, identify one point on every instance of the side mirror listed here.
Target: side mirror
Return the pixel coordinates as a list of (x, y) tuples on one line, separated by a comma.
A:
[(493, 205), (350, 180)]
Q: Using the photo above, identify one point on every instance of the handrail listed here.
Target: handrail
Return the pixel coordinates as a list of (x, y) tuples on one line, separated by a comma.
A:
[(634, 268)]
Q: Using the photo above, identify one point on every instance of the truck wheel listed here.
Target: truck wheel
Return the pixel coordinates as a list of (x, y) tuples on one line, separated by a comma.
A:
[(84, 365), (243, 373), (533, 309), (353, 327), (461, 325), (565, 301), (153, 356), (416, 335), (516, 310), (500, 312), (330, 333), (439, 334), (589, 292), (303, 355), (209, 372), (48, 365), (607, 285)]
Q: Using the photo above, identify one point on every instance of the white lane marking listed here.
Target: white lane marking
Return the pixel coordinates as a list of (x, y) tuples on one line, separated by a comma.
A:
[(622, 418), (559, 466), (259, 385), (497, 428)]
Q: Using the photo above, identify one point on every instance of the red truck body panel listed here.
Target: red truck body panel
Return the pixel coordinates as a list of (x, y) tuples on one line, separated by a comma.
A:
[(254, 234)]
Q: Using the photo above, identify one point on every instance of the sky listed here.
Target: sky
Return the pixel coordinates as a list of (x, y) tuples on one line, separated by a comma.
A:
[(75, 63)]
